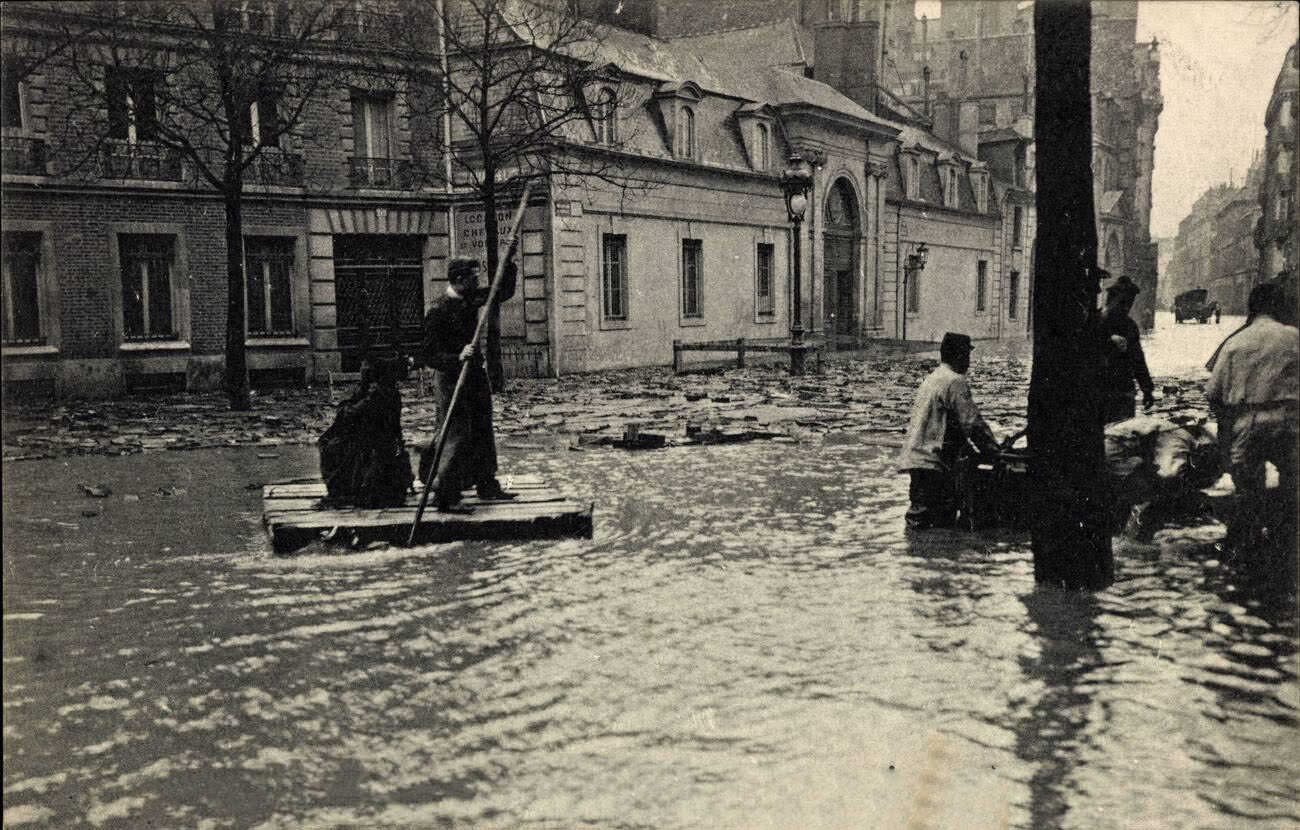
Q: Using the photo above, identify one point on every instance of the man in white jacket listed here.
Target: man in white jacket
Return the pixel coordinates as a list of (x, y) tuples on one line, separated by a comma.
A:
[(1253, 390), (944, 418)]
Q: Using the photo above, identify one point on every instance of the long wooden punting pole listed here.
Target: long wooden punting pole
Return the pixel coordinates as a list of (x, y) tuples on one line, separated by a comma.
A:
[(464, 366)]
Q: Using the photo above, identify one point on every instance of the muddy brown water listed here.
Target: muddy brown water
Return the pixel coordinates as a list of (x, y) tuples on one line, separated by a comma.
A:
[(750, 640)]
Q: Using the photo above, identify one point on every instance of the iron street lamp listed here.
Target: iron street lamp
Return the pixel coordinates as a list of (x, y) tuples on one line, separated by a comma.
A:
[(796, 180), (915, 265)]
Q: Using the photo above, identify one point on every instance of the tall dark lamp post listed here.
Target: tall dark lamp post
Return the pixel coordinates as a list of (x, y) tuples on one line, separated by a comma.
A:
[(796, 179), (914, 266)]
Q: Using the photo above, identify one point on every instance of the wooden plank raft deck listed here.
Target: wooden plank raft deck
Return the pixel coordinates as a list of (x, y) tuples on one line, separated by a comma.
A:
[(294, 517)]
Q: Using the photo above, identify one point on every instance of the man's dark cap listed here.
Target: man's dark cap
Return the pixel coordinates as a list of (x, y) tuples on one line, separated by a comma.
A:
[(461, 267), (953, 341), (1124, 286)]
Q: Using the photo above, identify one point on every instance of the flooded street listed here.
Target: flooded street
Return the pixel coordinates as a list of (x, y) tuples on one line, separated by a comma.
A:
[(750, 640)]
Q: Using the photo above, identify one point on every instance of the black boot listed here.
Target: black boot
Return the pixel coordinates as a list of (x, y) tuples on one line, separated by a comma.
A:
[(491, 490)]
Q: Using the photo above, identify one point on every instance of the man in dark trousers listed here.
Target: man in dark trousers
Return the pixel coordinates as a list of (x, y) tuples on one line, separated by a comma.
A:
[(1125, 362), (469, 453), (944, 418)]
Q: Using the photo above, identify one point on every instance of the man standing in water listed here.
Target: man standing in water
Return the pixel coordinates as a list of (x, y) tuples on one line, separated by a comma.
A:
[(944, 418), (469, 453), (1253, 389), (1125, 361)]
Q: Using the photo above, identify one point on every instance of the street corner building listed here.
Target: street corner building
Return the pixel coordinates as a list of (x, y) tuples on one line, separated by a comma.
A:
[(656, 212)]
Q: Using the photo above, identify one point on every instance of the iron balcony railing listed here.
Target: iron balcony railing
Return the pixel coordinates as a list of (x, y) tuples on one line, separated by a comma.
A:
[(140, 161), (386, 174), (24, 156), (275, 167)]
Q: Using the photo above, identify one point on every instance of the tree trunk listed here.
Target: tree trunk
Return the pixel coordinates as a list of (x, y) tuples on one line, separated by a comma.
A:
[(491, 234), (236, 376), (1071, 530)]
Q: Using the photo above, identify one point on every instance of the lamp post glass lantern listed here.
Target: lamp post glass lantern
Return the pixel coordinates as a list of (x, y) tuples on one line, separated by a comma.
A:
[(915, 265), (796, 180)]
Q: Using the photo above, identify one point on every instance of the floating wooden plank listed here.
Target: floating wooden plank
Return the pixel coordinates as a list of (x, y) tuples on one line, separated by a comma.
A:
[(294, 516)]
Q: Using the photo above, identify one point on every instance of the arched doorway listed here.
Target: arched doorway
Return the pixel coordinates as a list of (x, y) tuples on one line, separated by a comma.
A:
[(841, 238)]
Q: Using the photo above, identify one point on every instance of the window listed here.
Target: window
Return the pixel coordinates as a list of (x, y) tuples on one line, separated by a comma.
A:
[(264, 124), (372, 125), (613, 276), (1282, 206), (1013, 294), (146, 286), (979, 181), (950, 186), (269, 276), (762, 150), (22, 299), (685, 133), (692, 258), (988, 113), (981, 285), (11, 106), (606, 122), (764, 303), (132, 108), (914, 289), (1017, 225), (913, 182)]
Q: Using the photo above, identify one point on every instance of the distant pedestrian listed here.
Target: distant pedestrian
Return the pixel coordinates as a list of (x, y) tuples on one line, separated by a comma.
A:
[(944, 420), (469, 453), (1253, 389), (1125, 362)]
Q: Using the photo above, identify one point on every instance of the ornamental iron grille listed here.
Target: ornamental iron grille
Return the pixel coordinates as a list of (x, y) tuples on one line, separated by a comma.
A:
[(379, 288)]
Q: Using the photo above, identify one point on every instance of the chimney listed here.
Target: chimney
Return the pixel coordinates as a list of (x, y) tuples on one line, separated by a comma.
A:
[(925, 89), (942, 116), (846, 58), (968, 128)]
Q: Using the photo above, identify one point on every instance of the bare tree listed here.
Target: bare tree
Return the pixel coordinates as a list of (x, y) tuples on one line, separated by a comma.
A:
[(527, 94), (209, 89)]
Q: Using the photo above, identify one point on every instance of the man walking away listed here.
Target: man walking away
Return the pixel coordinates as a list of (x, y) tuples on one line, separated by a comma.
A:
[(1253, 392), (469, 453), (1125, 361), (944, 418)]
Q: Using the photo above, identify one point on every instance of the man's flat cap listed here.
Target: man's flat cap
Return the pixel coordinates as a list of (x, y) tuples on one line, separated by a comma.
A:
[(952, 340), (461, 267)]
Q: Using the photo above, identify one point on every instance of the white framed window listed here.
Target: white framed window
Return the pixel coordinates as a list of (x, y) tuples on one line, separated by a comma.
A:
[(692, 278), (23, 322), (268, 275), (980, 182), (950, 186), (685, 133), (372, 125), (13, 96), (613, 276), (764, 295), (912, 176), (606, 116), (132, 104), (762, 147), (147, 288)]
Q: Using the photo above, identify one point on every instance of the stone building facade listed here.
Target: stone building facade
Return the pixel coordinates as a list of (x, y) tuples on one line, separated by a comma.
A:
[(1275, 236)]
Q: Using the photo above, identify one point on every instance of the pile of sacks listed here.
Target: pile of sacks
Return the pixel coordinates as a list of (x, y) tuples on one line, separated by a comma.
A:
[(1153, 459)]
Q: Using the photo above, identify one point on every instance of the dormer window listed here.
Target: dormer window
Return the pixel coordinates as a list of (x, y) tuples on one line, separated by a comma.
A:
[(949, 178), (605, 117), (762, 147), (912, 176), (11, 108), (980, 183), (685, 133)]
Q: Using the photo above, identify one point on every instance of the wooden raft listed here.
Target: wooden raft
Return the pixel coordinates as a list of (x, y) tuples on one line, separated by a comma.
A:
[(293, 516)]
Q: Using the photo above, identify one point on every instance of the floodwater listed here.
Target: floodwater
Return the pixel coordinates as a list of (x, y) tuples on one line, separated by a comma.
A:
[(751, 640)]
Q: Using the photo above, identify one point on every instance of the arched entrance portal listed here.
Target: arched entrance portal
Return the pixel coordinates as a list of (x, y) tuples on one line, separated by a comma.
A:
[(841, 238)]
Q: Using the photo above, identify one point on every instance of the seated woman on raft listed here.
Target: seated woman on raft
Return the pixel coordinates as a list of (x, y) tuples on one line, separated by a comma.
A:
[(362, 457)]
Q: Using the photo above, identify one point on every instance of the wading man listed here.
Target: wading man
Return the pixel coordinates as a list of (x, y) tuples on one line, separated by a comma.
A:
[(1253, 390), (944, 418), (1125, 361), (469, 453)]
